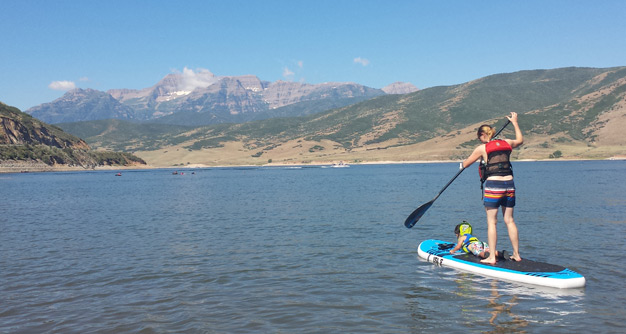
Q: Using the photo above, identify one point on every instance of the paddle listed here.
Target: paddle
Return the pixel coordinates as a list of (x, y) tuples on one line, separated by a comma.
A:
[(419, 212)]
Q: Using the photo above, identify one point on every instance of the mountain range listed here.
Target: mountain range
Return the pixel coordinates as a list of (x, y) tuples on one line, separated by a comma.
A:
[(201, 98), (567, 112)]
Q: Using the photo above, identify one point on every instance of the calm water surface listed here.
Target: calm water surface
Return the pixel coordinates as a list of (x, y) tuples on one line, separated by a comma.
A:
[(300, 250)]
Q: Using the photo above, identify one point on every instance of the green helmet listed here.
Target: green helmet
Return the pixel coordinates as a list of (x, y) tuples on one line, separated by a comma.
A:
[(463, 228)]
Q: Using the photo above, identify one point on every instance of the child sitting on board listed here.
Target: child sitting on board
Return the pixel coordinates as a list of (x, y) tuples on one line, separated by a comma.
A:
[(469, 243)]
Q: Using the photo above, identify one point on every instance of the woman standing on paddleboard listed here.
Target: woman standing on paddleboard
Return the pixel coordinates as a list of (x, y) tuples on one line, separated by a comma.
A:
[(499, 188)]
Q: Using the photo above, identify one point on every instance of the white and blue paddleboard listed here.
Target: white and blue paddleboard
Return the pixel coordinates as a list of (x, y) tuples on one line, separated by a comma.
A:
[(525, 271)]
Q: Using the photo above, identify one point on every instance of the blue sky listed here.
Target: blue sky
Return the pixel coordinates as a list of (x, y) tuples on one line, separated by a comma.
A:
[(49, 46)]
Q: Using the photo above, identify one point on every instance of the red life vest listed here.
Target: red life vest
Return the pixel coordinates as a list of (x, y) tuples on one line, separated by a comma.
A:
[(498, 160), (497, 145)]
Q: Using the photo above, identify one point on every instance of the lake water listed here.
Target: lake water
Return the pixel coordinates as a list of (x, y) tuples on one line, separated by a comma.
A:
[(301, 250)]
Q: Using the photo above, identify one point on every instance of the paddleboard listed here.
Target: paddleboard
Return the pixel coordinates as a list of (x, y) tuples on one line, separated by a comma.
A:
[(525, 271)]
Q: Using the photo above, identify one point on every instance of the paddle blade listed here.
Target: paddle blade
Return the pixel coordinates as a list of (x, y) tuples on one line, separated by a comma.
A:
[(417, 214)]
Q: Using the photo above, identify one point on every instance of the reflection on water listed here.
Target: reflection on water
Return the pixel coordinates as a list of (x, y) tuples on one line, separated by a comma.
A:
[(488, 305), (503, 318), (499, 307)]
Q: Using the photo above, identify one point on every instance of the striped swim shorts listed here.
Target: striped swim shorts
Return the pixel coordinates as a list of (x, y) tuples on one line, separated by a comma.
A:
[(478, 247), (499, 193)]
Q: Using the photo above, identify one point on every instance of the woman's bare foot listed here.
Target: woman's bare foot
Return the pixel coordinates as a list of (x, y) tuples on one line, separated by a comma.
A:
[(515, 257), (489, 260)]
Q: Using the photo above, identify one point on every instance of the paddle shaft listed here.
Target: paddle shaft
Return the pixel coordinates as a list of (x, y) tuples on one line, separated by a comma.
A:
[(502, 128), (462, 169), (449, 182)]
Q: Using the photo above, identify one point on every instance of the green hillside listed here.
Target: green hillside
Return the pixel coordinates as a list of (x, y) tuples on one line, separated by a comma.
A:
[(23, 138), (120, 135), (566, 101)]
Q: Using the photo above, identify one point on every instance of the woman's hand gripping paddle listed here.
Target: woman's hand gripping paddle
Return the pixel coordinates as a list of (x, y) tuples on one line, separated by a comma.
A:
[(419, 212)]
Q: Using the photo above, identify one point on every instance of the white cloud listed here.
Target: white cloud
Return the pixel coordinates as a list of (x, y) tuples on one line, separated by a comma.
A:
[(62, 85), (362, 61), (195, 79), (287, 73), (83, 79)]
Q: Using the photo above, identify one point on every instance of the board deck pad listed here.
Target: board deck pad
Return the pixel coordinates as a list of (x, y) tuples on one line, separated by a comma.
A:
[(525, 265), (525, 271)]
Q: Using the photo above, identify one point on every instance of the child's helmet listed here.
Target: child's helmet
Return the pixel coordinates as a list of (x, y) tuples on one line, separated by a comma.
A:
[(463, 228)]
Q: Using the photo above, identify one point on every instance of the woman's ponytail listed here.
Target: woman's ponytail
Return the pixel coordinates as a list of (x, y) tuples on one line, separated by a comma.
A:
[(487, 129)]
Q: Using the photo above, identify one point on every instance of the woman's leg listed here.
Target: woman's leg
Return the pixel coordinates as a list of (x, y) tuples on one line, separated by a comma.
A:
[(512, 228), (492, 234)]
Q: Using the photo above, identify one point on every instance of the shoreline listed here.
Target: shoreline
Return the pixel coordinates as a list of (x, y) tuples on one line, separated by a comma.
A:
[(34, 167), (28, 167)]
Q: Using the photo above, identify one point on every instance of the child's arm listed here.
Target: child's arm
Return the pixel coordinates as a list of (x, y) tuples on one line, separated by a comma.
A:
[(459, 244)]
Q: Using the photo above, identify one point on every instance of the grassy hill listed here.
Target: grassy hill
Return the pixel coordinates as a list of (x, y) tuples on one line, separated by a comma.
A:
[(577, 111)]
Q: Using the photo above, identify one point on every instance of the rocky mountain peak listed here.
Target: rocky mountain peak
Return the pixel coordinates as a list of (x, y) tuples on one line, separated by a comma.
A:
[(400, 88), (185, 82), (81, 105), (249, 82)]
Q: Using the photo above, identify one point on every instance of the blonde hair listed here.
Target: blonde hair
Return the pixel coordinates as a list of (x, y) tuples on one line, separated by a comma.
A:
[(487, 129)]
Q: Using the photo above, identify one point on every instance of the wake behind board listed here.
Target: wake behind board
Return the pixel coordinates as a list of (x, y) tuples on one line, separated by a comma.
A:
[(525, 271)]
